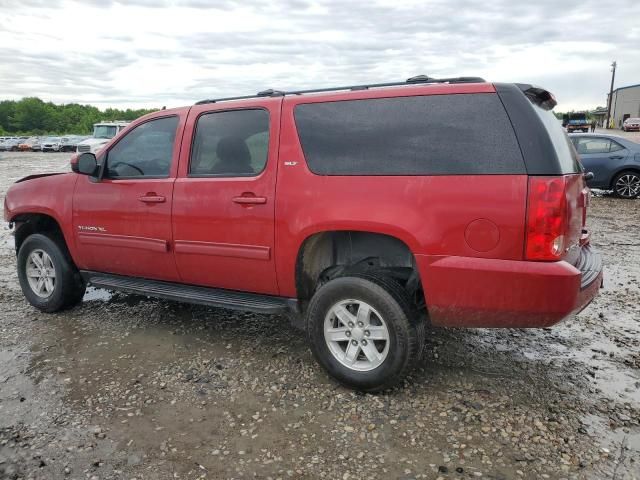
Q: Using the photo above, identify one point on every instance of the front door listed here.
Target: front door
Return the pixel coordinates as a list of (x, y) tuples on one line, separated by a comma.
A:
[(223, 208), (122, 222)]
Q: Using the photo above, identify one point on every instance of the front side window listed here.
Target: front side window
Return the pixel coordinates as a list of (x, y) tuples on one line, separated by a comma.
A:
[(230, 144), (146, 151)]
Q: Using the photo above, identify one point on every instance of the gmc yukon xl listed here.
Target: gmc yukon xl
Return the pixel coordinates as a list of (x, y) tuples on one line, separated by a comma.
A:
[(365, 213)]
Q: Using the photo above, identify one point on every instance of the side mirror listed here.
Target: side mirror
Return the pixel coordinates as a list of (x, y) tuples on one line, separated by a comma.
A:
[(588, 175), (86, 164)]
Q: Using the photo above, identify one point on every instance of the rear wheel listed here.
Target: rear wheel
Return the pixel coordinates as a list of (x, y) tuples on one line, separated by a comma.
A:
[(626, 185), (48, 278), (364, 331)]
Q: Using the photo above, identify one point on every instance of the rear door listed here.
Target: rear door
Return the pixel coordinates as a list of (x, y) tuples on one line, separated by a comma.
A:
[(122, 223), (601, 156), (224, 198)]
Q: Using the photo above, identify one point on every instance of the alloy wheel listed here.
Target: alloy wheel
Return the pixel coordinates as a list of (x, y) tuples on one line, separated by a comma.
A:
[(356, 335), (41, 273), (628, 185)]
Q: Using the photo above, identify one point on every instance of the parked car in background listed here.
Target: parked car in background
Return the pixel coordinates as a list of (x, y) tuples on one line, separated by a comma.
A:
[(577, 121), (70, 142), (631, 125), (51, 144), (613, 160), (31, 144), (102, 133), (215, 204), (10, 145)]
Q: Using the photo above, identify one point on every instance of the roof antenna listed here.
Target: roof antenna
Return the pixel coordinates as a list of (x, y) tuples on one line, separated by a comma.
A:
[(271, 93), (419, 79)]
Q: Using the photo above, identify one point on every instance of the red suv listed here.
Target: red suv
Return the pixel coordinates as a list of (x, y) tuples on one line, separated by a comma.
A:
[(367, 213)]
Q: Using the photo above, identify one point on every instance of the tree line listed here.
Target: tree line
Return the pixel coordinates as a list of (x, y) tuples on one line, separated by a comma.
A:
[(32, 116)]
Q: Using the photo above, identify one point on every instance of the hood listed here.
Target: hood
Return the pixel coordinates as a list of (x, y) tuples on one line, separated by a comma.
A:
[(39, 175), (94, 141)]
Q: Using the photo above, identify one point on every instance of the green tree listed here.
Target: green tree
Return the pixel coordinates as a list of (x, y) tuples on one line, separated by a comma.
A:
[(32, 116)]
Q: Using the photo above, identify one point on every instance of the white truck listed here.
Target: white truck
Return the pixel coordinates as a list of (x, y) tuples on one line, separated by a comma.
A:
[(102, 133)]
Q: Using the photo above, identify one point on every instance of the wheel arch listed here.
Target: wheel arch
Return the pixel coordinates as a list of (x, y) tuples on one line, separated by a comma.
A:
[(29, 223), (327, 254), (627, 168)]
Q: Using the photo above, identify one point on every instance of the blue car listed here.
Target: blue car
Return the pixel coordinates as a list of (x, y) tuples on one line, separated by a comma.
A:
[(614, 162)]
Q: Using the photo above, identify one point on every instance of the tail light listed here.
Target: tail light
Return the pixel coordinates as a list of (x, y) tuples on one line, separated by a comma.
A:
[(547, 221)]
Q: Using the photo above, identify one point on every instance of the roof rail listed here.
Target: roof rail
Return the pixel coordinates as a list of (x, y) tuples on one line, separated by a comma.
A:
[(410, 81)]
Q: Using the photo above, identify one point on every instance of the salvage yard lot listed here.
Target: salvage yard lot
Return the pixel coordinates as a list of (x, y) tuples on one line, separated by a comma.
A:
[(125, 386)]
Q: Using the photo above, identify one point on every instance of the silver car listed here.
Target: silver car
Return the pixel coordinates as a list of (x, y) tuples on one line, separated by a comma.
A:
[(51, 144)]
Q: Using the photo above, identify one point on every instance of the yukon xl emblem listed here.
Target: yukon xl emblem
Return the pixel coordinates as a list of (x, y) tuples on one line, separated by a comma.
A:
[(91, 228)]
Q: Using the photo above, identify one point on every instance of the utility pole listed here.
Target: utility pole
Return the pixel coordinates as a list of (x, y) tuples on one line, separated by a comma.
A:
[(613, 77)]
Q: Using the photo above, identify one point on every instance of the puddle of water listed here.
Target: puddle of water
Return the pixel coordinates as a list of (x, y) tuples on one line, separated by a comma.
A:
[(598, 427), (97, 294)]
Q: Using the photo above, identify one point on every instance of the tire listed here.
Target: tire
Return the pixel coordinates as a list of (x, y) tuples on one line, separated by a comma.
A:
[(626, 184), (65, 290), (391, 309)]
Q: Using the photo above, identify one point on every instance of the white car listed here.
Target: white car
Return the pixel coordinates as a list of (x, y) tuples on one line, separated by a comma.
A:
[(51, 144)]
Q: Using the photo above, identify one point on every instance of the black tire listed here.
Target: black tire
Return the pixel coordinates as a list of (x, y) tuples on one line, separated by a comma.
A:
[(620, 191), (391, 301), (68, 289)]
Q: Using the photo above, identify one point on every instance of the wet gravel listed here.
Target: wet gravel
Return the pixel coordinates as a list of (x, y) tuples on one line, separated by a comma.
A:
[(130, 387)]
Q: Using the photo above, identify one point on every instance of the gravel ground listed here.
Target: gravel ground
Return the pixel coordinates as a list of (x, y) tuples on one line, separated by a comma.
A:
[(130, 387)]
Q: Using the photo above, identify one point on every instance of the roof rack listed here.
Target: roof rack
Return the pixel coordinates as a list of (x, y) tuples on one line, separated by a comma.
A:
[(410, 81)]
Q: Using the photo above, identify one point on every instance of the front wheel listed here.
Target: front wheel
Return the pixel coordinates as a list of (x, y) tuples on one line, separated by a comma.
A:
[(48, 278), (364, 331), (627, 185)]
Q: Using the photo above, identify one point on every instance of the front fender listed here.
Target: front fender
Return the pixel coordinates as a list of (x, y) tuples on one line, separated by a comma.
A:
[(50, 195)]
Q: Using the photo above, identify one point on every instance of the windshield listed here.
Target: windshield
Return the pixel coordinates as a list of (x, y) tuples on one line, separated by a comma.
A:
[(104, 131), (634, 120), (52, 139)]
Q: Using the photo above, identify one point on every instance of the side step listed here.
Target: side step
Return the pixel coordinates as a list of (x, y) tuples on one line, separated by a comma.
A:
[(214, 297)]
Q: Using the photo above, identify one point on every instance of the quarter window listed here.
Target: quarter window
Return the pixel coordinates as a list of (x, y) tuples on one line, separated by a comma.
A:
[(418, 135), (146, 151), (234, 143)]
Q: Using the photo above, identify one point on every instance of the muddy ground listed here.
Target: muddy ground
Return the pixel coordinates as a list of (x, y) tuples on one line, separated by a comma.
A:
[(130, 387)]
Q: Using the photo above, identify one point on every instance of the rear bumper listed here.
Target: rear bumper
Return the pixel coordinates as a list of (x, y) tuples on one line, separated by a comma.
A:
[(480, 292)]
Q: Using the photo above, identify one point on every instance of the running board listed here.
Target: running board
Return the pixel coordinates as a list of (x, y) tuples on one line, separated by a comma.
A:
[(213, 297)]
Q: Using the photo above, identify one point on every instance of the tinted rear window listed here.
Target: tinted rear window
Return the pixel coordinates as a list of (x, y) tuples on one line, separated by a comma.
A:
[(564, 149), (423, 135)]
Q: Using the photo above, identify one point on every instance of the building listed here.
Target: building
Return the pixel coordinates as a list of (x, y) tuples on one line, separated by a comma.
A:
[(600, 114), (625, 104)]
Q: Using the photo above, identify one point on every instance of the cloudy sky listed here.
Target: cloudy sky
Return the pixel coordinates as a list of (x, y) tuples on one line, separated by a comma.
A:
[(149, 53)]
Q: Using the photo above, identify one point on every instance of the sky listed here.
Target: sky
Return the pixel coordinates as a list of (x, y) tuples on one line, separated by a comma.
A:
[(152, 53)]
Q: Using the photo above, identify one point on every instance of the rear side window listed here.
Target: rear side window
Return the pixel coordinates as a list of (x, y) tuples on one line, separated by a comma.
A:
[(231, 143), (422, 135), (566, 154)]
